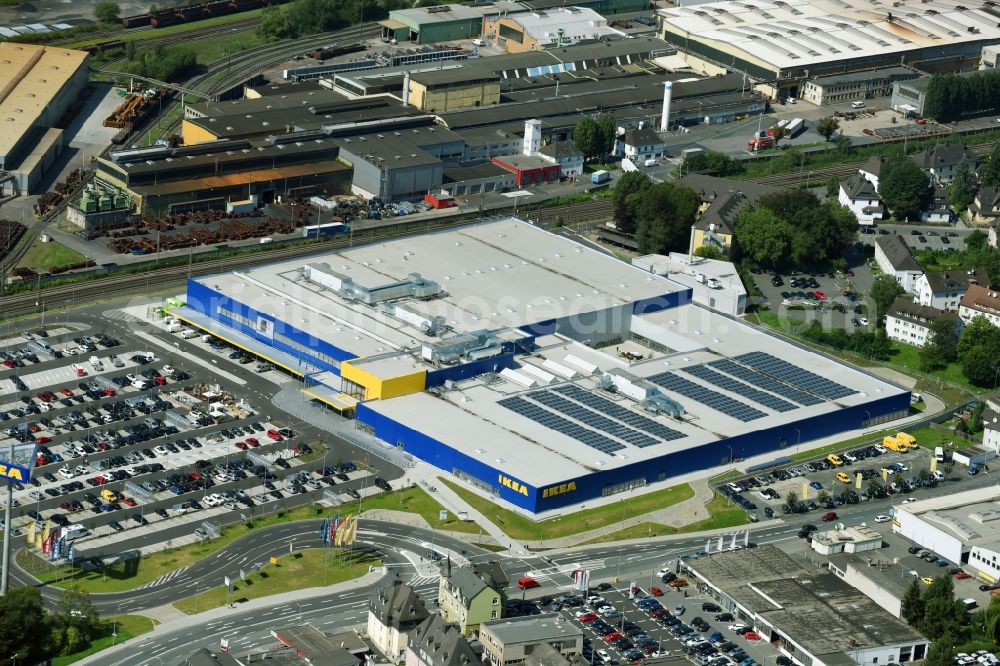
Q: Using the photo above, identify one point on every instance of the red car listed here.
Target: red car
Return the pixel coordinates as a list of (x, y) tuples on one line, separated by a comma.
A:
[(242, 446), (66, 392), (46, 396), (43, 439), (8, 363), (41, 460), (253, 441), (159, 380), (820, 295), (108, 392), (613, 636), (195, 475), (104, 446), (962, 575), (659, 612), (751, 636), (128, 501), (275, 435), (656, 592), (100, 480), (589, 617), (34, 427), (527, 583)]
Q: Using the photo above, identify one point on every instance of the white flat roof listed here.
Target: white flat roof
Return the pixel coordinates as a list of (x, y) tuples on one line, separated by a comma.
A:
[(541, 455), (798, 33), (495, 275), (972, 516)]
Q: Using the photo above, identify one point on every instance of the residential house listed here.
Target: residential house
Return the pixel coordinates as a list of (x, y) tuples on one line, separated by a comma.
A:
[(894, 258), (722, 200), (858, 194), (435, 642), (508, 642), (394, 609), (985, 208), (980, 301), (472, 594), (943, 290), (566, 155), (910, 322), (639, 145), (940, 160), (938, 211), (872, 169)]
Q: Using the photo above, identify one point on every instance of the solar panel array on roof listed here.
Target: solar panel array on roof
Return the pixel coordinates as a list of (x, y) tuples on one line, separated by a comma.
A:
[(620, 413), (552, 421), (591, 418), (763, 381), (728, 383), (715, 400), (795, 375)]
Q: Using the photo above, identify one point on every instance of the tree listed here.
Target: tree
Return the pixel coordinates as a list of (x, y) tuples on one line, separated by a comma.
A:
[(23, 625), (873, 488), (976, 241), (989, 168), (823, 497), (130, 49), (608, 131), (844, 145), (719, 163), (884, 291), (708, 252), (977, 332), (762, 236), (828, 126), (943, 613), (904, 187), (587, 137), (940, 653), (792, 500), (941, 347), (962, 190), (912, 607), (625, 200), (665, 214), (275, 24), (107, 12), (981, 365)]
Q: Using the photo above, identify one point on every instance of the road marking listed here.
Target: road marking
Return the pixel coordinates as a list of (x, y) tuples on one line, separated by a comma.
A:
[(190, 357)]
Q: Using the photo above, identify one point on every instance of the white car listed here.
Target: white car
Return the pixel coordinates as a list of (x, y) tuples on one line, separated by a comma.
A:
[(909, 499), (881, 518), (130, 378), (863, 321), (663, 572), (604, 655), (857, 105), (161, 451), (594, 599), (581, 613), (167, 370), (604, 610), (66, 473), (737, 627), (880, 448)]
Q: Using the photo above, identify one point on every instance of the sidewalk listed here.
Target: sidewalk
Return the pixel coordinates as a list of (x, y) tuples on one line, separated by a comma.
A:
[(171, 619)]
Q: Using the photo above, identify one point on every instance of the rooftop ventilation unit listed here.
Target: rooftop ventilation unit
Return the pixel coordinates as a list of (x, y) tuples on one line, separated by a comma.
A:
[(415, 286), (658, 403)]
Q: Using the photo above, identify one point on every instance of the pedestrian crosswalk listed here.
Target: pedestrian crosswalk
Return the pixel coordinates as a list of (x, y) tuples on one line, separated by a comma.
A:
[(120, 315), (165, 578)]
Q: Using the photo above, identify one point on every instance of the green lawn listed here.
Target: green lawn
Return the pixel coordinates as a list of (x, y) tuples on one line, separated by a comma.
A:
[(521, 527), (930, 438), (416, 500), (907, 357), (722, 513), (154, 33), (126, 627), (313, 567), (42, 257), (216, 48)]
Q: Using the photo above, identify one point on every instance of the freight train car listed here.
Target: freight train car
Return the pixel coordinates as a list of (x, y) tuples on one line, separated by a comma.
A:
[(104, 46), (328, 52), (197, 12), (325, 229)]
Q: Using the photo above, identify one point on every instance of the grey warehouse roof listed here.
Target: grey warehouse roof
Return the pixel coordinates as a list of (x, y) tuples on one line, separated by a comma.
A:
[(531, 628)]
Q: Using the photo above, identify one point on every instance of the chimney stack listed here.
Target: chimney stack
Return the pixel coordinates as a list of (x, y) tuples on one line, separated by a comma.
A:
[(406, 89), (532, 137), (668, 89)]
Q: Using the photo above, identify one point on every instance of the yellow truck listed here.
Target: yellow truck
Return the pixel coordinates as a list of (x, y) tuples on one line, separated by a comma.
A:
[(894, 444), (906, 440), (109, 495)]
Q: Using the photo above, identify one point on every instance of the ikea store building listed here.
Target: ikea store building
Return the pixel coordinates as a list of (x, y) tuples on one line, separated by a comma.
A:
[(531, 367)]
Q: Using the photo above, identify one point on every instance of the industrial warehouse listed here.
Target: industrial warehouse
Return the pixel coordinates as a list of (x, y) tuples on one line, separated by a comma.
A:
[(581, 376), (783, 44), (455, 128), (38, 84)]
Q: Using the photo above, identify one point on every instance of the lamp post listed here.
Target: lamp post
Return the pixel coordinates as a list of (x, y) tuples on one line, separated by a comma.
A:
[(798, 439)]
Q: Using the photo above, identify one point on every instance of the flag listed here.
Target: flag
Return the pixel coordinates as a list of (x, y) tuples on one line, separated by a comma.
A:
[(70, 552), (31, 533), (39, 543), (324, 531), (333, 527), (45, 532), (338, 536), (352, 531)]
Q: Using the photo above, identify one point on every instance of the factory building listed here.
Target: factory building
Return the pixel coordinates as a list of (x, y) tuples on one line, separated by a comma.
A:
[(543, 29), (443, 23), (958, 527), (808, 614), (784, 44), (38, 84), (450, 89), (205, 177), (582, 376)]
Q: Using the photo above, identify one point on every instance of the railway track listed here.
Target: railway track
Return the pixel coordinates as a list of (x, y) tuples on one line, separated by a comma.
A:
[(834, 171), (172, 276), (196, 34)]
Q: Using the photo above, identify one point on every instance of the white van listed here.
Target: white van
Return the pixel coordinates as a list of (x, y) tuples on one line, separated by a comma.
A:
[(189, 333), (96, 364), (74, 531), (141, 384), (857, 105), (939, 454), (173, 327)]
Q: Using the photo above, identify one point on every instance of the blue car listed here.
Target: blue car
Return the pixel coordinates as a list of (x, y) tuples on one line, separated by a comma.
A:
[(816, 485)]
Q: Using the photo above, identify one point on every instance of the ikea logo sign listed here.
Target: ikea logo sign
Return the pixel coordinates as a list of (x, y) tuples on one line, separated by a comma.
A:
[(517, 487), (561, 489), (13, 472)]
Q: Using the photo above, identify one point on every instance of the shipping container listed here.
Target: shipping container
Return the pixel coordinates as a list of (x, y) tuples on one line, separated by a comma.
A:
[(600, 177), (328, 229)]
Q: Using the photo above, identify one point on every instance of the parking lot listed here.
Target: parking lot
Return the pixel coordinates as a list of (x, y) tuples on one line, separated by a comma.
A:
[(836, 300), (661, 619), (129, 445), (824, 483)]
